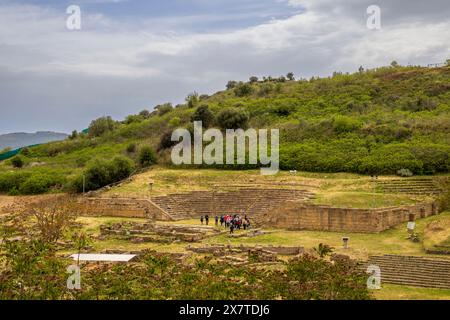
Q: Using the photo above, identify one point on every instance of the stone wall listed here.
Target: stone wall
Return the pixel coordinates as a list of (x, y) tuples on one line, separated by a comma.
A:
[(303, 216), (122, 207)]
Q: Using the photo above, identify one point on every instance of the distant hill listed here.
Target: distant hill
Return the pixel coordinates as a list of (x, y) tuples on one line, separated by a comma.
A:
[(22, 139)]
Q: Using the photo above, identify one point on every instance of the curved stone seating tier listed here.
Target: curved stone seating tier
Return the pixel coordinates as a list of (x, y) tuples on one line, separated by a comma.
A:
[(413, 271), (415, 186), (250, 201)]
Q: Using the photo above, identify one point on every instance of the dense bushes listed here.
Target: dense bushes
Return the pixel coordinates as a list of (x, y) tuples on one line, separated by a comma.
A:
[(40, 183), (353, 155), (101, 126), (28, 183), (376, 121), (146, 157), (232, 118), (100, 173)]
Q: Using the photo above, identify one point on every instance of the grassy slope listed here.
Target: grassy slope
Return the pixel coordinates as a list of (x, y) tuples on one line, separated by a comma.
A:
[(336, 189), (399, 116)]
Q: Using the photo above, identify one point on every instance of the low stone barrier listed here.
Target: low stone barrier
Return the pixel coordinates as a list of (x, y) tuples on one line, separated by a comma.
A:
[(303, 216)]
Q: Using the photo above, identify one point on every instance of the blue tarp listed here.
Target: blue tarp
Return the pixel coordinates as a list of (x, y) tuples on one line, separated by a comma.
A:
[(12, 153)]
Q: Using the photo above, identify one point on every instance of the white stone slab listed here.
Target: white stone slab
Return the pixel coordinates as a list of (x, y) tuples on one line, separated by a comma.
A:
[(103, 257)]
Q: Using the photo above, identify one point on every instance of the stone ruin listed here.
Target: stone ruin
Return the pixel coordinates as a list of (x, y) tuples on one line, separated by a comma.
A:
[(245, 255), (157, 233)]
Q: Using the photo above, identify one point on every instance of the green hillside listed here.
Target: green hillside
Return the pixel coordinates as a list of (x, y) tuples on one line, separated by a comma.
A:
[(371, 122)]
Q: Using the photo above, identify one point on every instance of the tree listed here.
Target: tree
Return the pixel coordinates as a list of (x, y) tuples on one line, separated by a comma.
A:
[(361, 69), (145, 114), (290, 76), (203, 114), (120, 168), (17, 162), (101, 126), (394, 64), (232, 119), (25, 151), (131, 148), (231, 84), (53, 217), (162, 109), (74, 135), (243, 89), (192, 99), (253, 79), (146, 157)]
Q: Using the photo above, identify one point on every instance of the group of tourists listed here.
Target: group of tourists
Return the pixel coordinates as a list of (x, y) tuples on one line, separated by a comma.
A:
[(228, 221)]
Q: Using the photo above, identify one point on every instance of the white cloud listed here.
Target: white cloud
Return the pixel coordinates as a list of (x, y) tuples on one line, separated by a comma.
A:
[(118, 67)]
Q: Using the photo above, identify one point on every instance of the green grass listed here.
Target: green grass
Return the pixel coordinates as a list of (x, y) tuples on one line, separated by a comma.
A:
[(399, 292)]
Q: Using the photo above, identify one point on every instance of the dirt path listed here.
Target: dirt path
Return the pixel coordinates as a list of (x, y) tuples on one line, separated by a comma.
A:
[(8, 201)]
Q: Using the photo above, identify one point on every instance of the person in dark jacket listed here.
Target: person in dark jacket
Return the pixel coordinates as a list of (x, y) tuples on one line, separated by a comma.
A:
[(201, 219)]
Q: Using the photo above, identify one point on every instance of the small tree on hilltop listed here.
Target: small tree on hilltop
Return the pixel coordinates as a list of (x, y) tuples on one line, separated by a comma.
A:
[(145, 114), (203, 114), (243, 89), (192, 99), (101, 126), (253, 79), (290, 76), (73, 135), (231, 84)]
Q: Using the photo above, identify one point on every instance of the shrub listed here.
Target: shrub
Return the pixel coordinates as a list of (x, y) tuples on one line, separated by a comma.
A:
[(73, 135), (192, 99), (12, 180), (146, 157), (265, 89), (203, 114), (232, 119), (120, 168), (17, 162), (404, 173), (39, 183), (166, 141), (133, 118), (101, 126), (131, 148), (97, 175), (243, 89), (164, 108), (25, 151), (175, 122), (145, 114), (231, 84), (343, 124), (100, 173)]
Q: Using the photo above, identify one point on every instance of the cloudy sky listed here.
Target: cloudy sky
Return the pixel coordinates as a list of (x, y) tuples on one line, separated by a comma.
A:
[(134, 54)]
